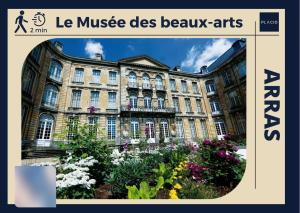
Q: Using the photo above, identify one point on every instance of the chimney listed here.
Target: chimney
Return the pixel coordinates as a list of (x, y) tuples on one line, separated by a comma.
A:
[(59, 46), (177, 68), (98, 56), (203, 69)]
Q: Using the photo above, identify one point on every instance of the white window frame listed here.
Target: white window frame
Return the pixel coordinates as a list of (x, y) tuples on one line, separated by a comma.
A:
[(173, 84), (45, 130), (55, 70), (164, 129), (133, 101), (151, 127), (76, 98), (94, 101), (160, 103), (176, 104), (112, 77), (96, 76), (147, 102), (199, 106), (193, 128), (135, 128), (78, 75), (112, 99), (195, 87), (214, 105), (204, 128), (179, 128), (220, 128), (210, 86), (50, 95), (111, 127), (184, 86), (188, 105)]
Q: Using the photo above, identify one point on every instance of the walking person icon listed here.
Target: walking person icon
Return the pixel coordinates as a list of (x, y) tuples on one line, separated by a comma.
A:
[(19, 20)]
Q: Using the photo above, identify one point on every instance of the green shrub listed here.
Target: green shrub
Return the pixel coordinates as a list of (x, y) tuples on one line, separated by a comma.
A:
[(195, 190), (130, 172)]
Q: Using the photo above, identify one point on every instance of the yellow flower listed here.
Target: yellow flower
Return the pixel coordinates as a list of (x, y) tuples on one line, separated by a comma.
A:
[(177, 186), (173, 194)]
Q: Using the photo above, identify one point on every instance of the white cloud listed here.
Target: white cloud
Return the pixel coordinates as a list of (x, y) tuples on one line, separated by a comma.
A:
[(93, 47), (197, 57)]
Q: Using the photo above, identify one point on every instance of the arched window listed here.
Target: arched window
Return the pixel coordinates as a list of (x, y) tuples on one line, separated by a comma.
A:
[(133, 101), (210, 86), (159, 80), (132, 80), (135, 130), (44, 131), (149, 129), (164, 129), (50, 95), (146, 79), (55, 70), (147, 102), (132, 77)]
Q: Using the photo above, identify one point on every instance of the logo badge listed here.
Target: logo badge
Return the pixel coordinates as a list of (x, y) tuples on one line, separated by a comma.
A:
[(269, 22)]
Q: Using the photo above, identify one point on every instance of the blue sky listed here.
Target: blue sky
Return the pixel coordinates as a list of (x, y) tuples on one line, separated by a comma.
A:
[(190, 54)]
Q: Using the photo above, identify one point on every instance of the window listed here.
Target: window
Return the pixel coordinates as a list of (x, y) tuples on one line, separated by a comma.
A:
[(176, 104), (221, 129), (210, 86), (195, 88), (214, 105), (204, 128), (159, 83), (112, 77), (50, 95), (132, 79), (199, 106), (96, 76), (192, 128), (133, 101), (241, 123), (188, 106), (147, 102), (78, 75), (36, 52), (44, 131), (93, 124), (173, 84), (94, 99), (179, 128), (242, 68), (234, 99), (135, 130), (146, 81), (161, 103), (72, 127), (111, 128), (184, 86), (164, 129), (227, 78), (112, 97), (149, 129), (76, 95), (28, 80), (55, 70)]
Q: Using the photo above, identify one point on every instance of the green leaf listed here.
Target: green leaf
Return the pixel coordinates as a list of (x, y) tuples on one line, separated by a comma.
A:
[(133, 192), (160, 182), (144, 190)]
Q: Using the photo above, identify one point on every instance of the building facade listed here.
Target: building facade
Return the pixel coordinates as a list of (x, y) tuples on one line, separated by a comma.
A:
[(139, 95)]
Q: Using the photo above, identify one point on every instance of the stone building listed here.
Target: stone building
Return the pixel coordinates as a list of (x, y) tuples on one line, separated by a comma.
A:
[(135, 94)]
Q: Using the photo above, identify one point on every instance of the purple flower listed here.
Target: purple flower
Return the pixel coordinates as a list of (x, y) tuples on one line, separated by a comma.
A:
[(207, 142), (221, 153), (232, 158), (227, 137), (92, 109)]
